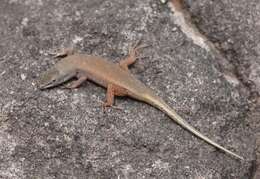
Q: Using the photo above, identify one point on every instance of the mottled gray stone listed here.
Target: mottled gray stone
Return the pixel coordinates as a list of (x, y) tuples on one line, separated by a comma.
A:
[(62, 133)]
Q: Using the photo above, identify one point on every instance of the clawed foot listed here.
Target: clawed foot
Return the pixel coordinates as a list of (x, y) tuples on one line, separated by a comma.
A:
[(70, 85), (133, 51), (62, 52), (105, 105), (75, 84)]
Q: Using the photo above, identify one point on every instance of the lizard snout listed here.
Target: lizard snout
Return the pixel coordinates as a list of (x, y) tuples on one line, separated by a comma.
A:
[(52, 78)]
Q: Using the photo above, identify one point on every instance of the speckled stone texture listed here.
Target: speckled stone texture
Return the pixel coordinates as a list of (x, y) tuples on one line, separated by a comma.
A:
[(64, 134), (234, 27)]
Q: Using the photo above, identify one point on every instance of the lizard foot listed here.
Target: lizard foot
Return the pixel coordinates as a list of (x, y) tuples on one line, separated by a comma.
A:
[(76, 83), (62, 52), (105, 105)]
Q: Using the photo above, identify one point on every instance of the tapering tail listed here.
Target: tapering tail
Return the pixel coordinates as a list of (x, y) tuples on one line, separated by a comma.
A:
[(160, 104)]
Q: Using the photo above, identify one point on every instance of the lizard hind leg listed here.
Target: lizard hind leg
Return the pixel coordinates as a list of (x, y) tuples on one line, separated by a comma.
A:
[(112, 91), (110, 96)]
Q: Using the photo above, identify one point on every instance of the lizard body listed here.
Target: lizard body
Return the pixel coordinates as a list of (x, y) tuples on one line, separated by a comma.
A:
[(118, 81)]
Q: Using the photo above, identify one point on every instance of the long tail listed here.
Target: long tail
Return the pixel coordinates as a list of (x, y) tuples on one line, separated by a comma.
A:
[(160, 104)]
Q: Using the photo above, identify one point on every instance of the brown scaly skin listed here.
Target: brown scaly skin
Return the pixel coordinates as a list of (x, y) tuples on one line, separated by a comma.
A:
[(118, 81)]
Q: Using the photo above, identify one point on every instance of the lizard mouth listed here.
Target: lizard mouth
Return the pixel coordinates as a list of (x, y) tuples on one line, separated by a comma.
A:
[(53, 78)]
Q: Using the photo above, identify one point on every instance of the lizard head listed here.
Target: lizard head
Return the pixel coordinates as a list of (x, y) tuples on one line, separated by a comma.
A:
[(54, 77)]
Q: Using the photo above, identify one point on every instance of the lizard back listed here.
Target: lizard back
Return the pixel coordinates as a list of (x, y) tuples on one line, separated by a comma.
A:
[(104, 72)]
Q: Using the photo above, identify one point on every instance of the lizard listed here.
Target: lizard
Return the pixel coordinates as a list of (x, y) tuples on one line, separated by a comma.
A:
[(118, 81)]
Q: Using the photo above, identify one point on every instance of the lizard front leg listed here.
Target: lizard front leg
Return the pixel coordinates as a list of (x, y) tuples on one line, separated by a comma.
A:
[(63, 52), (129, 60), (76, 83), (81, 78), (132, 56)]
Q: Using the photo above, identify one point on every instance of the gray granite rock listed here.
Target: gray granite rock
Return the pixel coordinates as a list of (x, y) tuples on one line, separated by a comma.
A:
[(62, 133)]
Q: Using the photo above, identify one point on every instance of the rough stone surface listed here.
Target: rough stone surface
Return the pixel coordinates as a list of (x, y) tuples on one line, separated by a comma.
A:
[(64, 133), (234, 26)]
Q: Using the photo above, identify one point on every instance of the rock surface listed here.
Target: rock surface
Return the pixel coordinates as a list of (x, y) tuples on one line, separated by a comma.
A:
[(62, 133), (234, 27)]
